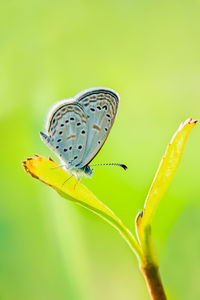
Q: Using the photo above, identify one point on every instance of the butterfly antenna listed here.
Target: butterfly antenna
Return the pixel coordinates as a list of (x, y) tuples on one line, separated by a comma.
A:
[(119, 165)]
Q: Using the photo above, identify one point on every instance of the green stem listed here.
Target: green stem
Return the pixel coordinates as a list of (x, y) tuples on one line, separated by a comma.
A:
[(116, 223), (149, 265), (148, 262), (153, 281), (130, 239), (143, 250)]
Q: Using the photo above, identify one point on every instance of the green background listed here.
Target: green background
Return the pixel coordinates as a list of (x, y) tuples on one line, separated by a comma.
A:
[(149, 52)]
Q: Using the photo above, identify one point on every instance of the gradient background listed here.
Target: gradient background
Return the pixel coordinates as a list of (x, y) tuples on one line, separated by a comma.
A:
[(149, 52)]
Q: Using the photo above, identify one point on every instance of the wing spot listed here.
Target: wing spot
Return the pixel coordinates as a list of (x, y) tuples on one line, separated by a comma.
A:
[(57, 147), (105, 107), (80, 147), (96, 127), (61, 125), (108, 115), (92, 109), (75, 157), (72, 119), (65, 150), (99, 142), (83, 132), (78, 124), (54, 120), (106, 129), (71, 136), (60, 132), (67, 121), (99, 107), (59, 140), (70, 148)]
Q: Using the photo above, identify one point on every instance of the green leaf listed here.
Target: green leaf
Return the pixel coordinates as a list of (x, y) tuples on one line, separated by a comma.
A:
[(161, 182), (166, 170), (47, 172)]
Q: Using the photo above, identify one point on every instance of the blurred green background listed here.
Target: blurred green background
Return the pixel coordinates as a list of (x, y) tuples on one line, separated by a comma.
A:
[(149, 52)]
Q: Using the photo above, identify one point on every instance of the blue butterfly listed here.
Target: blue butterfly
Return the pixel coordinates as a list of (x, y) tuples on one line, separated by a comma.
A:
[(77, 128)]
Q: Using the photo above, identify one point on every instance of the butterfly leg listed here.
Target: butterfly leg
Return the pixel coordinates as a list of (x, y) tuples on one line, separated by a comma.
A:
[(67, 179), (78, 179)]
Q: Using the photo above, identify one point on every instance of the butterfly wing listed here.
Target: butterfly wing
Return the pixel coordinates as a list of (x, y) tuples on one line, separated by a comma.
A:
[(101, 106), (67, 130)]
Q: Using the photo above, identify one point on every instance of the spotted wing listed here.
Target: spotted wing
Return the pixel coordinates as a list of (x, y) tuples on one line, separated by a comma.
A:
[(101, 106), (67, 129)]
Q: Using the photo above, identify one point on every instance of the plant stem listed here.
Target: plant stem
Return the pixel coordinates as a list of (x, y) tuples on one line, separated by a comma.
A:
[(130, 239), (149, 264), (153, 281), (148, 267), (114, 221)]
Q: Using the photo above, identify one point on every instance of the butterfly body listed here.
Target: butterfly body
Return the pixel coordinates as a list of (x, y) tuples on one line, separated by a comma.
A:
[(77, 128)]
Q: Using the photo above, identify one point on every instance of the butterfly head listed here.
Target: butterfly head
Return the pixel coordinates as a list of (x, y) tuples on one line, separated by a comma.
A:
[(87, 171)]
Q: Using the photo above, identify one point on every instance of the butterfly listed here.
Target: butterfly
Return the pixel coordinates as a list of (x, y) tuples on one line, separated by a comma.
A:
[(77, 128)]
